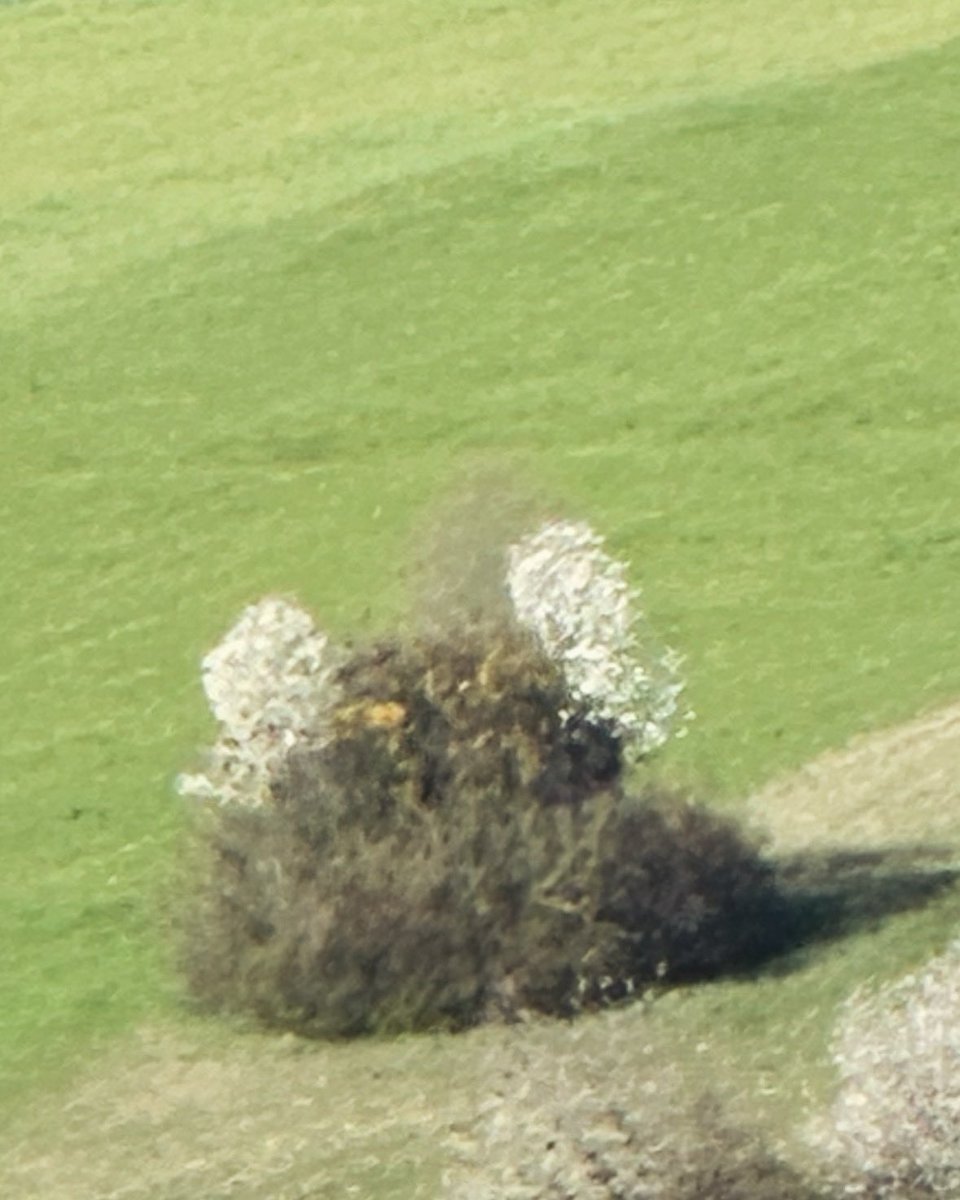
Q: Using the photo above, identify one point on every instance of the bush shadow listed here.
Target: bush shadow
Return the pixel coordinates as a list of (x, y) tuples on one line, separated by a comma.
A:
[(836, 893)]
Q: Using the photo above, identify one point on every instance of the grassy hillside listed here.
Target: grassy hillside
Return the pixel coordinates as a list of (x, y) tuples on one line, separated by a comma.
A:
[(276, 282), (130, 127)]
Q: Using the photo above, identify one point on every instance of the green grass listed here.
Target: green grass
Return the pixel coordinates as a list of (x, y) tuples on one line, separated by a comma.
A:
[(275, 283)]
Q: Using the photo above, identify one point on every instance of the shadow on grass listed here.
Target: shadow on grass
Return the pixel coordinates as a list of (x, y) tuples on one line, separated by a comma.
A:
[(834, 894)]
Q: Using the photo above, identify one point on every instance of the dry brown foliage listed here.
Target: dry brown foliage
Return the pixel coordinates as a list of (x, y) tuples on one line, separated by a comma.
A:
[(461, 848)]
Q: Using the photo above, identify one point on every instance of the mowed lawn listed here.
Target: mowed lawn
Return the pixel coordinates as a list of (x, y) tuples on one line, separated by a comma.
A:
[(277, 285)]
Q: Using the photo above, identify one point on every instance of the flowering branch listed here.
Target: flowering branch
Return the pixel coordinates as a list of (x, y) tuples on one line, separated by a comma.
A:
[(575, 599), (270, 684)]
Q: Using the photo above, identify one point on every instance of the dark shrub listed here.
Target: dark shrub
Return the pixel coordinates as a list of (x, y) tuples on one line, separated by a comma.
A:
[(377, 935), (636, 889), (459, 848), (482, 710), (689, 894)]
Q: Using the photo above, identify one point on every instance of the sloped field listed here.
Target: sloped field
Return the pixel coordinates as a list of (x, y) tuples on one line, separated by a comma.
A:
[(281, 290)]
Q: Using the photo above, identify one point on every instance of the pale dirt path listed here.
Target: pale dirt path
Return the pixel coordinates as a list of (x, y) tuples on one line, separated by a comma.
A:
[(174, 1115), (171, 1114), (897, 787)]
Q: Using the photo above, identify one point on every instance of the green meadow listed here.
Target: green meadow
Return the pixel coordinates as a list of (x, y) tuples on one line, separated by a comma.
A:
[(281, 286)]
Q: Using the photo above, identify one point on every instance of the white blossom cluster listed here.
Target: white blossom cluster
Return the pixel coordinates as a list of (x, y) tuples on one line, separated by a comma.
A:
[(270, 685), (575, 598), (896, 1119)]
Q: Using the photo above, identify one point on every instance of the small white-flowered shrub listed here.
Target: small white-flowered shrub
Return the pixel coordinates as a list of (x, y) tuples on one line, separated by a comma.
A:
[(270, 685), (896, 1118), (575, 598)]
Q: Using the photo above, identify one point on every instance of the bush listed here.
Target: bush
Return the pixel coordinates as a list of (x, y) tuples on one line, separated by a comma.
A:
[(377, 936), (896, 1119), (563, 1125), (689, 896), (458, 846), (432, 830)]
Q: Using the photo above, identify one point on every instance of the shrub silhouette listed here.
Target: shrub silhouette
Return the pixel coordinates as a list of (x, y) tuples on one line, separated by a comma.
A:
[(460, 847)]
